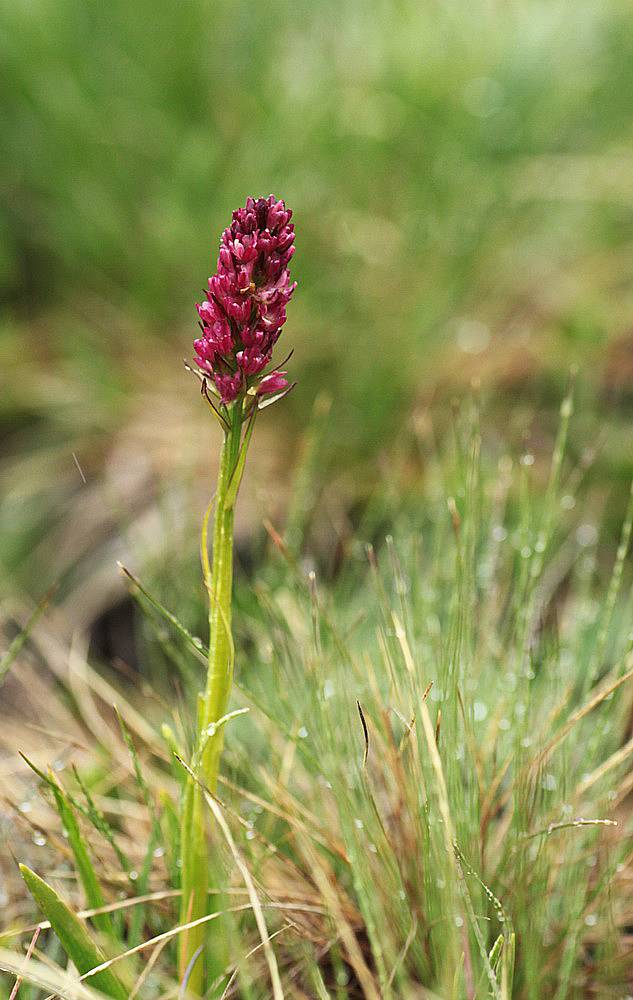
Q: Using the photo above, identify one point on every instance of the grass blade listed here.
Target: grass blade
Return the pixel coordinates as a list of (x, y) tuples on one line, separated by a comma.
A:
[(85, 869), (73, 935), (15, 647)]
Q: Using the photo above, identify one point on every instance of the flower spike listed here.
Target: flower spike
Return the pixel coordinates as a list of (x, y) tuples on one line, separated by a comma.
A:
[(245, 304)]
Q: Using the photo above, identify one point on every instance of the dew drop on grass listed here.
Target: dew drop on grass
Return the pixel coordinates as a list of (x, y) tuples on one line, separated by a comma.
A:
[(25, 807), (328, 689), (591, 920), (480, 711), (358, 823), (504, 724), (459, 921), (159, 852), (499, 533), (250, 835), (133, 875), (373, 849), (39, 839), (568, 502), (303, 732), (526, 552), (587, 534), (527, 459), (548, 782)]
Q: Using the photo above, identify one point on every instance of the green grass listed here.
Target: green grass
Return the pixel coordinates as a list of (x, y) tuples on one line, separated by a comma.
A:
[(459, 175), (428, 795), (423, 793)]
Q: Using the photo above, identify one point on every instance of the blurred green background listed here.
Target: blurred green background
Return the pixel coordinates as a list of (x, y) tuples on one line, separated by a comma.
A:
[(462, 180)]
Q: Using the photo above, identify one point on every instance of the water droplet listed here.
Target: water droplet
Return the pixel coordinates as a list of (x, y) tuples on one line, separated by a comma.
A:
[(568, 502), (586, 534), (373, 849), (548, 782), (358, 823), (250, 835), (473, 337), (504, 724), (499, 533), (39, 839), (527, 459), (459, 921), (480, 711), (526, 552), (159, 852), (328, 689), (133, 875), (303, 732), (591, 920), (25, 807)]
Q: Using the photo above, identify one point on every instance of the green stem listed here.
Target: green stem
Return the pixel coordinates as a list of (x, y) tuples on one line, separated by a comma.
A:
[(220, 667), (213, 705)]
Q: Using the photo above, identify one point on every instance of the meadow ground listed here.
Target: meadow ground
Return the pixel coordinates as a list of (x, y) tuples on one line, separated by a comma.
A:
[(430, 790)]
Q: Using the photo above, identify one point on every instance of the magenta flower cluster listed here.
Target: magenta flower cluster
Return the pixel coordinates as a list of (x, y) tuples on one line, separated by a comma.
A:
[(245, 306)]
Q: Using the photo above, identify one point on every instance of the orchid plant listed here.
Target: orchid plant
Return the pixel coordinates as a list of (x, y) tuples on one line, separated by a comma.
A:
[(241, 320)]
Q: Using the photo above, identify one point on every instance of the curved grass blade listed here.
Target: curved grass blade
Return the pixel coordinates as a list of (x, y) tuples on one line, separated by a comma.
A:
[(73, 935)]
